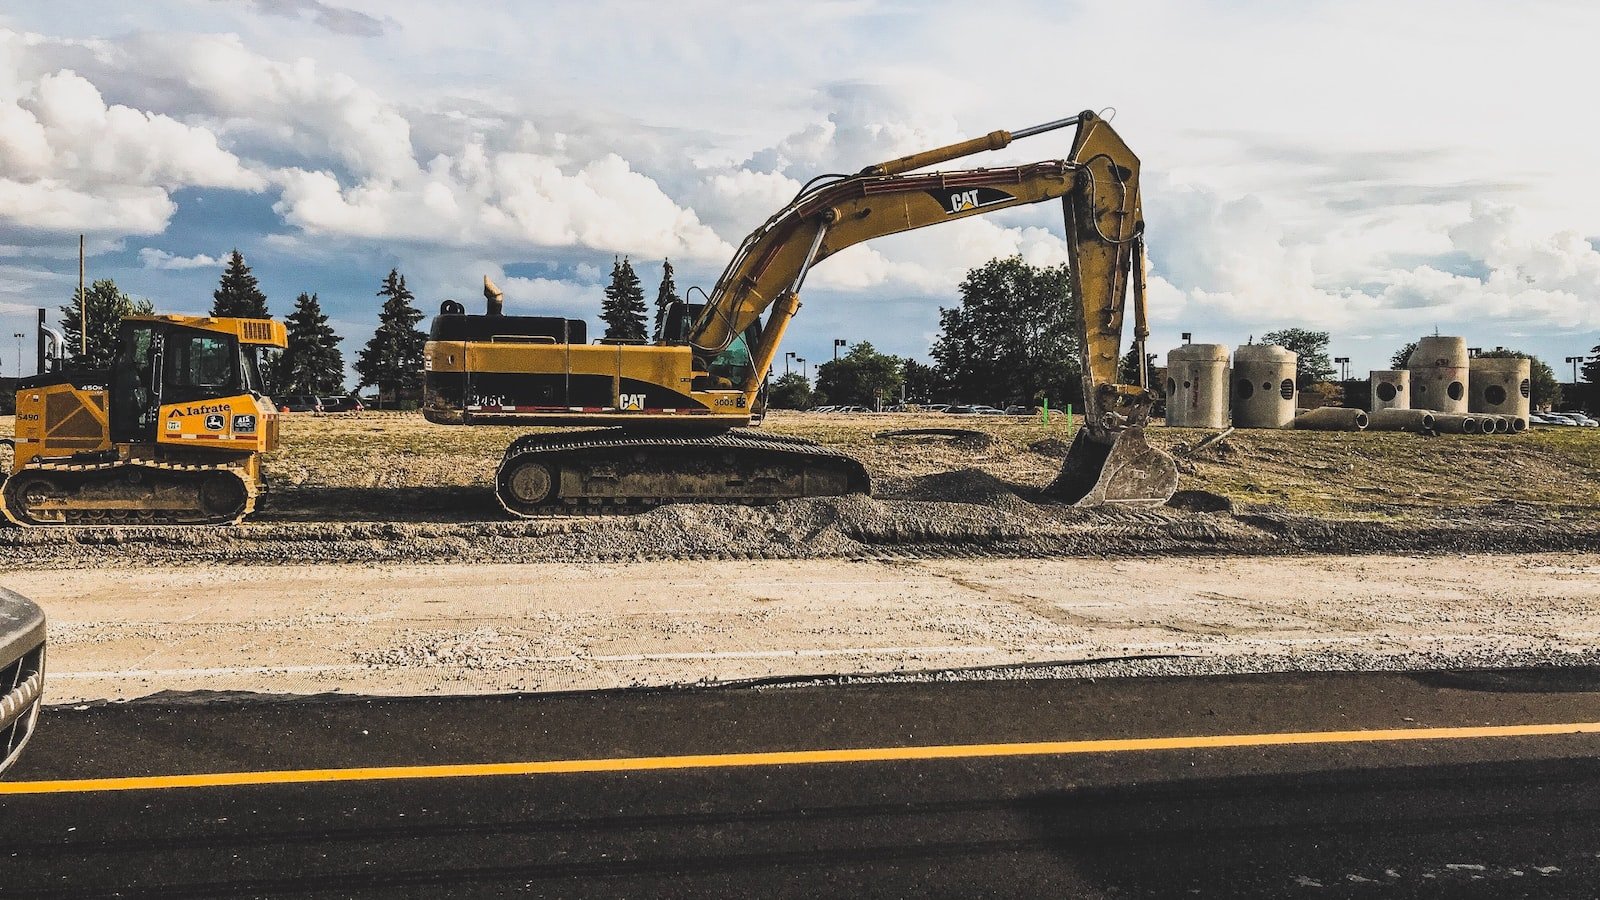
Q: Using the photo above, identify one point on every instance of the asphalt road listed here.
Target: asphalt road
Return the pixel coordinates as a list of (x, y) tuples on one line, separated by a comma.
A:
[(1348, 815)]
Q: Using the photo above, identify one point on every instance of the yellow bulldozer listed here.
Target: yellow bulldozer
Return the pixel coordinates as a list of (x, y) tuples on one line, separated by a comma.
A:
[(171, 434), (674, 412)]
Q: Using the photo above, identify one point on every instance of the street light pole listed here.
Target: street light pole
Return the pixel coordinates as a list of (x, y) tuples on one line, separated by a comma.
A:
[(1344, 367), (19, 336), (837, 343), (786, 357), (1574, 360), (805, 371)]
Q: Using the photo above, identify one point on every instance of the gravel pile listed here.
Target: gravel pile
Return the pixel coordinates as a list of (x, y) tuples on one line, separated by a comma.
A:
[(962, 513)]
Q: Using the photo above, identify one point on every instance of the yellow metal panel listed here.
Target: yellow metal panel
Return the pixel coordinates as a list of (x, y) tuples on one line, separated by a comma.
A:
[(235, 424)]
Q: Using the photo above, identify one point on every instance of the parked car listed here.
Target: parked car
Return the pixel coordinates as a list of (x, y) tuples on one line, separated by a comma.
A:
[(852, 409), (974, 409), (936, 407), (1582, 419), (22, 640), (823, 409), (1016, 410), (298, 403), (342, 403), (1562, 419)]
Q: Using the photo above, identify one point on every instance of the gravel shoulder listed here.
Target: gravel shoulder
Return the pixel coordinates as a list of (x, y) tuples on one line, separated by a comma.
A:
[(119, 633)]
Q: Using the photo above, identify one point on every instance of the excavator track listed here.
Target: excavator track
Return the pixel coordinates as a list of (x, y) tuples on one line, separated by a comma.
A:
[(610, 471), (127, 492)]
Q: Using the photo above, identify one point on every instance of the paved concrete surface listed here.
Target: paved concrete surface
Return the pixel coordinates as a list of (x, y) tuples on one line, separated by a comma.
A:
[(406, 630), (1499, 817)]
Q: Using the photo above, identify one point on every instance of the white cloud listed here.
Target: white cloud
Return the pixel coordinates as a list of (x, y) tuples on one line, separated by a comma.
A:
[(152, 258), (70, 162)]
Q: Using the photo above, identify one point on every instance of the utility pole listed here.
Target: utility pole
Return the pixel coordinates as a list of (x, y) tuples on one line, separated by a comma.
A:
[(83, 306)]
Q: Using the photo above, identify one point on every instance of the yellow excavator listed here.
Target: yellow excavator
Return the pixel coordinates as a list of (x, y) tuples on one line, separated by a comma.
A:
[(674, 413), (172, 434)]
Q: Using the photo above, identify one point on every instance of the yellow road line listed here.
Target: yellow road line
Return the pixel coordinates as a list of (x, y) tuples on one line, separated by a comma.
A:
[(790, 758)]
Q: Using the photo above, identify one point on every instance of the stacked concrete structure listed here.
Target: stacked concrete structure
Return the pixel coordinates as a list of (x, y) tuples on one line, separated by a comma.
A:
[(1264, 389), (1391, 389), (1439, 374), (1197, 386), (1501, 387)]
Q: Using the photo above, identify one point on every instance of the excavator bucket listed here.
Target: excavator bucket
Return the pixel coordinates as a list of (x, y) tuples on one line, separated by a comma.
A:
[(1124, 471)]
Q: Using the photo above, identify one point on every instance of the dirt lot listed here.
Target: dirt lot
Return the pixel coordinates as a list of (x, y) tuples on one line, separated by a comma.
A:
[(383, 488), (120, 633)]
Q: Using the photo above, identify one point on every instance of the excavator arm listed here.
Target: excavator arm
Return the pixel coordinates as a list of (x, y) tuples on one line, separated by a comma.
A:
[(1098, 185)]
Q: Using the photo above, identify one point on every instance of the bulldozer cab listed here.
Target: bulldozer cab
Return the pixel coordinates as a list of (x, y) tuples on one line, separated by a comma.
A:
[(164, 363)]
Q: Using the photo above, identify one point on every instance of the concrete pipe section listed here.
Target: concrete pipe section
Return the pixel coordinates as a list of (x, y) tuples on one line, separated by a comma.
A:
[(1501, 386), (1197, 386), (1264, 391), (1455, 423), (1391, 389), (1439, 374), (1416, 420), (1332, 418)]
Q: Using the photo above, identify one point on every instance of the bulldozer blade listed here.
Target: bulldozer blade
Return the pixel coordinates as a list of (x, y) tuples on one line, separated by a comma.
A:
[(1127, 471)]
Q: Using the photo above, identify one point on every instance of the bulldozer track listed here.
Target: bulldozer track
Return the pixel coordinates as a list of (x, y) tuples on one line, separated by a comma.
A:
[(558, 449), (83, 471)]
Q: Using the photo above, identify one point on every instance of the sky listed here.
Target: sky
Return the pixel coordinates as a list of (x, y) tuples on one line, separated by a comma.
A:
[(1379, 170)]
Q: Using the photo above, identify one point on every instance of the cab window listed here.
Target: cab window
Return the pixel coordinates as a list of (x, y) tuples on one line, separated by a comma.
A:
[(200, 364)]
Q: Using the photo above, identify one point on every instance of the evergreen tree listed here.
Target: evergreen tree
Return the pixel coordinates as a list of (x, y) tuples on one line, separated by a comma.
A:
[(107, 306), (666, 295), (1013, 338), (238, 295), (623, 310), (313, 363), (1591, 369), (392, 360)]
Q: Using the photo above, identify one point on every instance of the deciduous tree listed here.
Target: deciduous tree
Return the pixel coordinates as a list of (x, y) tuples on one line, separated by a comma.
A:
[(1312, 346), (106, 306), (861, 377), (1013, 338)]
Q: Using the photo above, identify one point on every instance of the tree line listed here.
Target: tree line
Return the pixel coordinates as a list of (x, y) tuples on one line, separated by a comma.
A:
[(1012, 340), (312, 364)]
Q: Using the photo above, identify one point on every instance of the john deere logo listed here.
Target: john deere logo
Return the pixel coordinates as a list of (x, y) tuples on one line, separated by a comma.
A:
[(215, 422), (956, 200)]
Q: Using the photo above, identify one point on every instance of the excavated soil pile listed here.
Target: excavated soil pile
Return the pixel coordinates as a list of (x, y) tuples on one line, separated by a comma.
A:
[(390, 488)]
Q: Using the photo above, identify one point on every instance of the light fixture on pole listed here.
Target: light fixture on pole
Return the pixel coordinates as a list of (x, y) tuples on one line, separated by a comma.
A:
[(1188, 337), (1344, 367), (1474, 352), (1574, 360), (805, 371), (786, 357), (837, 343), (19, 336)]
